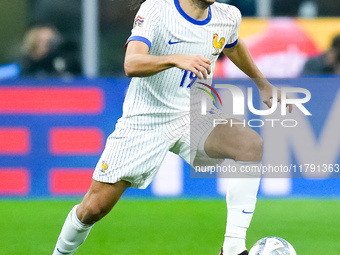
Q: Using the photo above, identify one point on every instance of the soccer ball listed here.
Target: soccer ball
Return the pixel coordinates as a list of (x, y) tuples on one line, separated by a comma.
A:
[(272, 246)]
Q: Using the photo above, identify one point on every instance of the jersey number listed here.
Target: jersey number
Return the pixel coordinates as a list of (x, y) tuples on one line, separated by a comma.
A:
[(192, 77)]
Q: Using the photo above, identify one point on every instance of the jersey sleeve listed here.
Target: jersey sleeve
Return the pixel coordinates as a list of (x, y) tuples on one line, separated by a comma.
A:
[(233, 39), (145, 23)]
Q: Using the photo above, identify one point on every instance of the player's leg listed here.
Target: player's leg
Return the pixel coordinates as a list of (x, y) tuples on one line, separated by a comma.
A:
[(98, 201), (131, 157), (237, 142), (243, 145)]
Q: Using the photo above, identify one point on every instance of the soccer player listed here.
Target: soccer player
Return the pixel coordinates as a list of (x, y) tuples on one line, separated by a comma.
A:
[(173, 43)]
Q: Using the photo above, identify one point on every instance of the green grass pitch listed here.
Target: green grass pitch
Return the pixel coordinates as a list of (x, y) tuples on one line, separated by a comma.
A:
[(168, 227)]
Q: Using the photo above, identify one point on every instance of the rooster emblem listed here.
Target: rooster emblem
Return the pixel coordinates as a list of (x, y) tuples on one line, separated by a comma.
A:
[(218, 44), (104, 166)]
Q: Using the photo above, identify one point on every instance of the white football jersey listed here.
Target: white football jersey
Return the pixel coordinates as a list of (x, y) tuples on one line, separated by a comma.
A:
[(167, 29)]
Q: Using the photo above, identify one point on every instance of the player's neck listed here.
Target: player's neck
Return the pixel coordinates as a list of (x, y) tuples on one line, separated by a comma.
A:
[(195, 9)]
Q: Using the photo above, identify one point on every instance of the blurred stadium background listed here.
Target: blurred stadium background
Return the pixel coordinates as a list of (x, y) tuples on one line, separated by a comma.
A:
[(45, 162)]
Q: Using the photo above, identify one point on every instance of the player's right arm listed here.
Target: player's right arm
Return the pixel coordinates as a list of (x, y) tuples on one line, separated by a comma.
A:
[(139, 63)]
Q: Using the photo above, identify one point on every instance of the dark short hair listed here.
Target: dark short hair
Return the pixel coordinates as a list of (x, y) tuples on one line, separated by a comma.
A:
[(336, 42), (136, 4)]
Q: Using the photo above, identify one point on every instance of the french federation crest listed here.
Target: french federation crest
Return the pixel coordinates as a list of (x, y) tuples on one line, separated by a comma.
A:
[(218, 44), (104, 167)]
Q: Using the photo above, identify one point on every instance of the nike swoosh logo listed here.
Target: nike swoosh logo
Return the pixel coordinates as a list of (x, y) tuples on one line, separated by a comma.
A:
[(62, 252), (171, 42), (247, 212)]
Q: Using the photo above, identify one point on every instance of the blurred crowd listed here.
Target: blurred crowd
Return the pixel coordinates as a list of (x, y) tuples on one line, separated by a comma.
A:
[(327, 63), (52, 46), (45, 53)]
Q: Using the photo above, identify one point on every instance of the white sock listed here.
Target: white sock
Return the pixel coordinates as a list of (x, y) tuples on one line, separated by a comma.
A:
[(241, 200), (72, 235)]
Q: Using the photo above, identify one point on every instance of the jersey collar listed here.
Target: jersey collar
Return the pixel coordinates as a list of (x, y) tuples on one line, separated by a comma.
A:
[(192, 20)]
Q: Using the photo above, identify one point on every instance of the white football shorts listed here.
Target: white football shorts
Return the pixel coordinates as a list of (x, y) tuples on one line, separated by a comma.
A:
[(135, 153)]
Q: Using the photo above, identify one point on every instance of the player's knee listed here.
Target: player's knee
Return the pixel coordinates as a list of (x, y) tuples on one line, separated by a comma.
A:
[(90, 213), (252, 148)]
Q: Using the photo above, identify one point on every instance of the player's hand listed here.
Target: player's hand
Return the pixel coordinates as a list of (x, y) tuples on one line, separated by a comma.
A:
[(266, 93), (196, 64)]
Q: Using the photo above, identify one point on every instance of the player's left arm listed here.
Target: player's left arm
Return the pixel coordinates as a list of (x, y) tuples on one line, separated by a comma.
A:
[(240, 56)]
